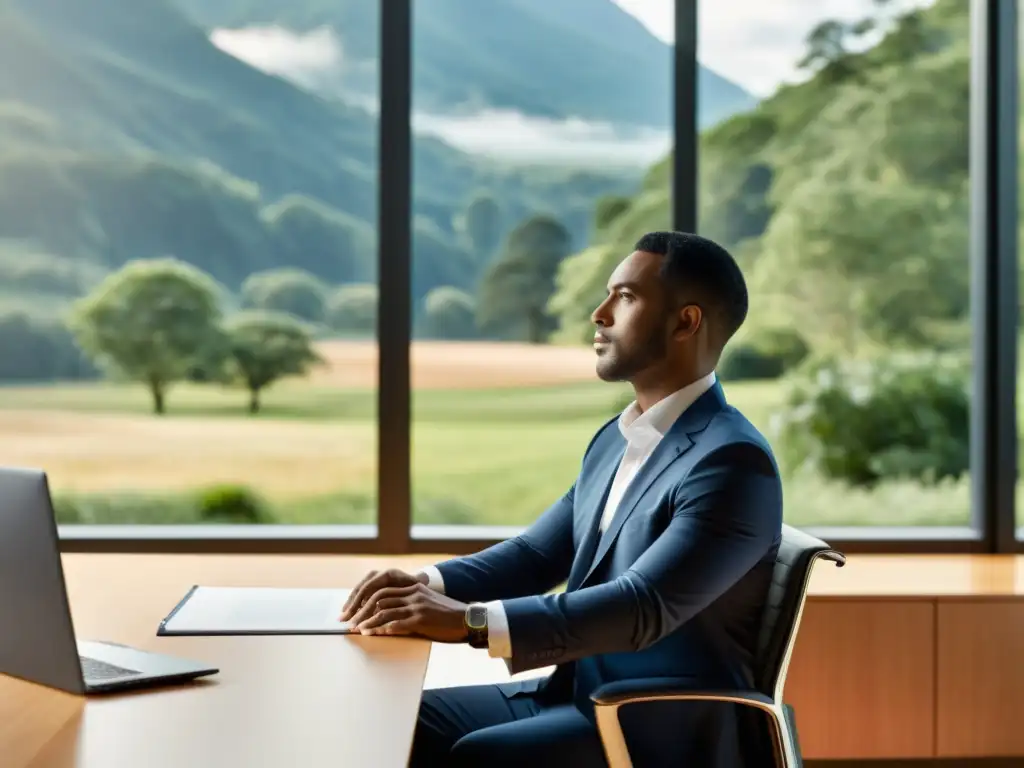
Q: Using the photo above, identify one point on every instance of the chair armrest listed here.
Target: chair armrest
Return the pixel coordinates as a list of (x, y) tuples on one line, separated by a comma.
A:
[(622, 692), (610, 696)]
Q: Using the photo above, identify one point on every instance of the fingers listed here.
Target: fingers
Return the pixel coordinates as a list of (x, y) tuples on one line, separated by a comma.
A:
[(385, 617), (355, 597), (371, 605), (397, 627)]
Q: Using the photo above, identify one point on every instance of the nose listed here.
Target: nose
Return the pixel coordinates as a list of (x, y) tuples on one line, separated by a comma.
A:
[(599, 316)]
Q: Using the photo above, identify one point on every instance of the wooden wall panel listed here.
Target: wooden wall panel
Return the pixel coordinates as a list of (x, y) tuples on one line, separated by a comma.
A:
[(862, 679), (980, 683)]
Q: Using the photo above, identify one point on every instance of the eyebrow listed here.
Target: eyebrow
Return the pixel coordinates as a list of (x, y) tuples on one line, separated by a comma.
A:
[(627, 285)]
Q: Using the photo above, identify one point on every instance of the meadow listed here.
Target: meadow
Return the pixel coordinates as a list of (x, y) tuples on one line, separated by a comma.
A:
[(498, 432)]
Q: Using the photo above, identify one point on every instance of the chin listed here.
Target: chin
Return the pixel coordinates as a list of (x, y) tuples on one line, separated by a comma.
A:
[(608, 372)]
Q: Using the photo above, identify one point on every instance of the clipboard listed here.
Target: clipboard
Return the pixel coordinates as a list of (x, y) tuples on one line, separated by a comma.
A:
[(218, 611)]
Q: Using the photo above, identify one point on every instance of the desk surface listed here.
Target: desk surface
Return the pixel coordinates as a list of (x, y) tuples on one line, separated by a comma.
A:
[(312, 701), (278, 701), (929, 576)]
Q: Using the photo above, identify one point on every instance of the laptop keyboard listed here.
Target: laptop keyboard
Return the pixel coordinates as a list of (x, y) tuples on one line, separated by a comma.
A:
[(95, 670)]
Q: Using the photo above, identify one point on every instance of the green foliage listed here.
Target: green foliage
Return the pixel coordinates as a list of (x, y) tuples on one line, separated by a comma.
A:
[(482, 225), (449, 313), (39, 348), (322, 240), (888, 419), (608, 209), (516, 289), (266, 347), (767, 353), (149, 322), (352, 310), (874, 263), (289, 290), (231, 504)]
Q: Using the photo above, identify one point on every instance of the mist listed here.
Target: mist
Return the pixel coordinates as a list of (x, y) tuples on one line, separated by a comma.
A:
[(315, 61)]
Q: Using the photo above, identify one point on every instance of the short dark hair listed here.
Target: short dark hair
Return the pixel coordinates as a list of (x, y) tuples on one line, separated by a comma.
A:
[(694, 262)]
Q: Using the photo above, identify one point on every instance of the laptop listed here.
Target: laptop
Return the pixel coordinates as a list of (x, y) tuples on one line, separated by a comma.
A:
[(38, 640)]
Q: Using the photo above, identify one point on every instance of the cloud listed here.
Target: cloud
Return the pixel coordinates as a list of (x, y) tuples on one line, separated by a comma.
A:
[(513, 136), (314, 60), (304, 58)]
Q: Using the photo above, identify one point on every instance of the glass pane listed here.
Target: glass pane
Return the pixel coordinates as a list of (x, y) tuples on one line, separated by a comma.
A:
[(842, 187), (187, 259), (551, 125)]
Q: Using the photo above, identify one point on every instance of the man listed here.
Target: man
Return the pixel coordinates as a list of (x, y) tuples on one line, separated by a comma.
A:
[(666, 543)]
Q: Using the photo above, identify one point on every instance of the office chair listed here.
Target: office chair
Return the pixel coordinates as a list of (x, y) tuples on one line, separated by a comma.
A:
[(780, 623)]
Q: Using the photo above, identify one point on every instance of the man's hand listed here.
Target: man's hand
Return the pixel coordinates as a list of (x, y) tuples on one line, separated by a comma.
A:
[(413, 610), (374, 582)]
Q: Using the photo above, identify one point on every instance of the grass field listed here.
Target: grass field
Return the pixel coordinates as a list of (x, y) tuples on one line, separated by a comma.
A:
[(498, 433)]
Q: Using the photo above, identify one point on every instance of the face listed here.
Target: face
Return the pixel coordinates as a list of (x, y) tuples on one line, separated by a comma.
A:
[(640, 328)]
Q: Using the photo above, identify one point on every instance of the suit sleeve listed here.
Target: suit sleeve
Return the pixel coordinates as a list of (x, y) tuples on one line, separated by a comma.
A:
[(727, 514), (531, 563), (536, 561)]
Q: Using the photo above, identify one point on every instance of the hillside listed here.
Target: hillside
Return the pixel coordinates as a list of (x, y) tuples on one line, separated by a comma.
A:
[(127, 134), (844, 197), (479, 55)]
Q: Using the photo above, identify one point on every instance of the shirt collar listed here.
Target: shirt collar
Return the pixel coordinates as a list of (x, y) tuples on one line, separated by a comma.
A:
[(647, 428)]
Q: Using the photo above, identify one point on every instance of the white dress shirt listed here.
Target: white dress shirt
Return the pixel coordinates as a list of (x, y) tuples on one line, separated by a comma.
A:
[(643, 431)]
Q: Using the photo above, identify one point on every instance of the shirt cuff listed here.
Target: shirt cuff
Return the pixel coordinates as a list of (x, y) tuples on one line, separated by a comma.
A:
[(434, 579), (499, 640)]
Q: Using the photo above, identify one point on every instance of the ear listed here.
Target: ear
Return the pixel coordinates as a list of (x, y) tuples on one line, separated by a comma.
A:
[(688, 321)]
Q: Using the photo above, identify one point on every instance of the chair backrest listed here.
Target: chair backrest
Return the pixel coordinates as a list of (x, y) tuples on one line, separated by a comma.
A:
[(780, 622)]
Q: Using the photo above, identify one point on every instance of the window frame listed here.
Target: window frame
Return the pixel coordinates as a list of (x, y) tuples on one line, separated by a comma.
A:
[(994, 269)]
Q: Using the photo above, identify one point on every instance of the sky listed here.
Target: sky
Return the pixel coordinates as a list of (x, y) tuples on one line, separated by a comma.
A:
[(754, 43)]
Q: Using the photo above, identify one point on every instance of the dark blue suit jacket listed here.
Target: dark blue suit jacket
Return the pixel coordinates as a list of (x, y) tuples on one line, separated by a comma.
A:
[(674, 587)]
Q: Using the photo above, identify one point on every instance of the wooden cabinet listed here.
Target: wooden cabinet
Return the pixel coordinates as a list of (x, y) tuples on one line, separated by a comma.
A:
[(980, 678), (862, 679)]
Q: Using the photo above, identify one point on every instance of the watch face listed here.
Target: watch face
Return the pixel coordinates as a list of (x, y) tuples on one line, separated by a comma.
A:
[(476, 617)]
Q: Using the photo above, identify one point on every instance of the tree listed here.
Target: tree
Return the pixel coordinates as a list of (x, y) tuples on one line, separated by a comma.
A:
[(294, 291), (868, 263), (266, 347), (449, 313), (481, 223), (609, 208), (148, 322), (517, 288), (352, 309)]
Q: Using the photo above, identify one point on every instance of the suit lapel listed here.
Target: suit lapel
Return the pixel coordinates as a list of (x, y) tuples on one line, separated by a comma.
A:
[(585, 553), (676, 442)]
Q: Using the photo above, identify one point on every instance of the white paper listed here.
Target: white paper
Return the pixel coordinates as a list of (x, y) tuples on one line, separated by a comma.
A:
[(277, 610)]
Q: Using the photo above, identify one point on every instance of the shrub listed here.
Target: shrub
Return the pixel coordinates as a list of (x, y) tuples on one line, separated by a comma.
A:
[(294, 291), (352, 309), (449, 313), (892, 419), (231, 504), (767, 354)]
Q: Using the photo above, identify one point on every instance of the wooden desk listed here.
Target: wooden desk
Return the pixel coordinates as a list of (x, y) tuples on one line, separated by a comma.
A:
[(912, 656), (278, 701)]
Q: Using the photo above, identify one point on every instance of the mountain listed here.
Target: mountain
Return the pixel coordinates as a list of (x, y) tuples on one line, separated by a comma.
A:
[(584, 59), (127, 134), (844, 198)]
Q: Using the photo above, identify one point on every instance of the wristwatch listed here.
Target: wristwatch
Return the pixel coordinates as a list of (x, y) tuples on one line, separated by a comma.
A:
[(476, 624)]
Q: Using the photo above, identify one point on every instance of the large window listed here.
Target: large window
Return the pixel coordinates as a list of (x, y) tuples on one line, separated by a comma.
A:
[(188, 259), (196, 300), (544, 131), (842, 186)]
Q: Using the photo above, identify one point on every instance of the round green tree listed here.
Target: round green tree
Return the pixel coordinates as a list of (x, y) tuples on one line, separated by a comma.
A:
[(148, 322)]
